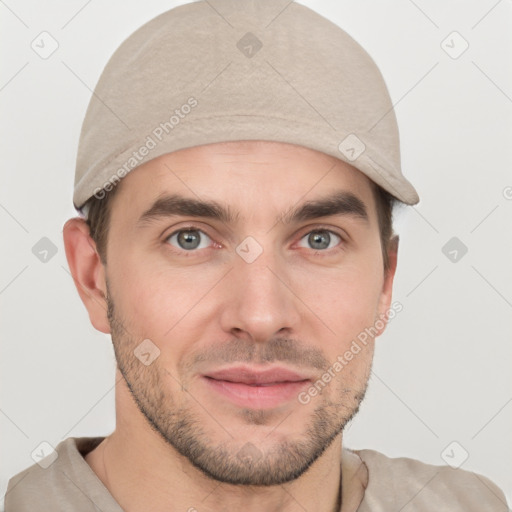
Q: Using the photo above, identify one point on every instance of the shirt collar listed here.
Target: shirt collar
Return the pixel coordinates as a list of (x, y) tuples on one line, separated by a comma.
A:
[(354, 480)]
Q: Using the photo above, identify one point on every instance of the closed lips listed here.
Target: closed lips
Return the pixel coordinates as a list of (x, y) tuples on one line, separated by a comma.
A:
[(244, 375)]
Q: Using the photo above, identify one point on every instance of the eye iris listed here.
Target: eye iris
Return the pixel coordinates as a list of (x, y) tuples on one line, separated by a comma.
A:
[(188, 239), (319, 237)]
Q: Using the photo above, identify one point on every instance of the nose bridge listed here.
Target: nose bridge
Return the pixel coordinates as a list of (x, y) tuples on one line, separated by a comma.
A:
[(259, 302)]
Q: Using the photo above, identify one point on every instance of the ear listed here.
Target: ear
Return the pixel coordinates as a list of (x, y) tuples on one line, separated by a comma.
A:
[(87, 271), (387, 287)]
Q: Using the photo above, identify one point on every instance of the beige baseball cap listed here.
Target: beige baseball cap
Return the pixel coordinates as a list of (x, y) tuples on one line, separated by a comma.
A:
[(226, 70)]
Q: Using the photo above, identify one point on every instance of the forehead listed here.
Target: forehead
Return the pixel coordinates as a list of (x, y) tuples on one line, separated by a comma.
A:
[(249, 176)]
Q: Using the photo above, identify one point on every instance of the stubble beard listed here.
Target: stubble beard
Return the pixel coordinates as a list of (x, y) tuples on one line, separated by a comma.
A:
[(247, 464)]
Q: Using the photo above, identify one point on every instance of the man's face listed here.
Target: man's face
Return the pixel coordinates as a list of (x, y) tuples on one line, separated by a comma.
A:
[(245, 326)]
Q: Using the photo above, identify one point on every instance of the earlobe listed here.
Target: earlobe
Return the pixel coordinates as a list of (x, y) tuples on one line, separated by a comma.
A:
[(87, 270), (387, 287)]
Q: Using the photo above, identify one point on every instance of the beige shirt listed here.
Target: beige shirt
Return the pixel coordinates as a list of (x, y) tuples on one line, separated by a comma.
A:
[(370, 482)]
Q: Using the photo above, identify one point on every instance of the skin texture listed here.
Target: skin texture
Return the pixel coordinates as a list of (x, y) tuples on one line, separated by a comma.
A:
[(179, 443)]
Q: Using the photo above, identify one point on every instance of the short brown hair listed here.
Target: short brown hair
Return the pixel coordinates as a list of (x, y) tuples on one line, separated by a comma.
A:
[(99, 211)]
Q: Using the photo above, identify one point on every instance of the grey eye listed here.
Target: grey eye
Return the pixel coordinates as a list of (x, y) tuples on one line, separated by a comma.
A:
[(189, 239), (321, 239)]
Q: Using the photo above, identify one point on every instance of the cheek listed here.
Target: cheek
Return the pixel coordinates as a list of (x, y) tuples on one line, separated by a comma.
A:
[(138, 304), (160, 303), (349, 296)]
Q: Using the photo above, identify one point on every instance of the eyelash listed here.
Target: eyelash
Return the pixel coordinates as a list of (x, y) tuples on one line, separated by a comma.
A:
[(329, 252)]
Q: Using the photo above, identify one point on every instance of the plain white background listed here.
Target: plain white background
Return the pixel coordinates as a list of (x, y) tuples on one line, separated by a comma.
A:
[(442, 368)]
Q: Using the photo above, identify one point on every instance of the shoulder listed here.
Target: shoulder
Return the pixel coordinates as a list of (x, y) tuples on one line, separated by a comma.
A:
[(409, 484), (54, 482)]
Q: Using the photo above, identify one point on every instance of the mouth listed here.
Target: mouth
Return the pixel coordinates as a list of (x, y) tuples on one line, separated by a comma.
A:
[(259, 389)]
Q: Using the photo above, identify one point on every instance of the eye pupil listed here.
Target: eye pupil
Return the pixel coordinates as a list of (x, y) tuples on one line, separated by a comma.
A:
[(319, 237), (188, 239)]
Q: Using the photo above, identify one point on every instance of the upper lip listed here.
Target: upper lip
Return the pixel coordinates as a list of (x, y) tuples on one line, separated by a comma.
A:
[(247, 375)]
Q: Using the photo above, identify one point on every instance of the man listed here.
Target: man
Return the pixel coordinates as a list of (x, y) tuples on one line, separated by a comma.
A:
[(237, 167)]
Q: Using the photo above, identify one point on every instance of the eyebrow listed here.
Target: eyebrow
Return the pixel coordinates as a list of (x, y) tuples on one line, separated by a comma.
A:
[(338, 203)]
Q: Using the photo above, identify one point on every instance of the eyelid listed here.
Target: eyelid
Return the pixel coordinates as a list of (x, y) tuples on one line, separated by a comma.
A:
[(331, 229), (191, 226)]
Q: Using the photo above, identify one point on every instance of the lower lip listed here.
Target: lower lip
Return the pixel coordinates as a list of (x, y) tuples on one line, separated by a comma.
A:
[(258, 397)]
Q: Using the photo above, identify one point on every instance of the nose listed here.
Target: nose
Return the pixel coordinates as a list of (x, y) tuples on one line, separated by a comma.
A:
[(260, 299)]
